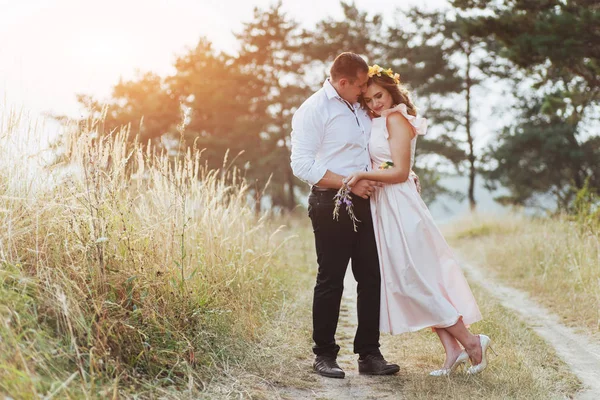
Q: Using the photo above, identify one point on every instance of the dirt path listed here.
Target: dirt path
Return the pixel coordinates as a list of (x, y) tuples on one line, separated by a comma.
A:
[(576, 350), (354, 386)]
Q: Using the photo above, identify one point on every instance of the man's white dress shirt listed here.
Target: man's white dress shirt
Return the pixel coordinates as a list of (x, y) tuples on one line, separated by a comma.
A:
[(328, 133)]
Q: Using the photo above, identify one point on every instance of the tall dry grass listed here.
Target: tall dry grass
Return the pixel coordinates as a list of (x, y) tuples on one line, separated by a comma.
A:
[(125, 270), (555, 259)]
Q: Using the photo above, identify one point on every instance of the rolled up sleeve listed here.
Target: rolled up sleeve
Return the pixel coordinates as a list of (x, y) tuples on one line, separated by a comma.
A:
[(308, 130)]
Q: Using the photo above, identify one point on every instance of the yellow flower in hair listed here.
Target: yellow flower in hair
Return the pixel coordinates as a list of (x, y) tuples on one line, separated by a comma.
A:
[(377, 70)]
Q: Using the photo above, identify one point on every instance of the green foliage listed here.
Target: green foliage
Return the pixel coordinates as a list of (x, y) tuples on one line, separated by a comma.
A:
[(563, 33), (357, 31), (549, 151), (217, 97), (446, 64), (542, 155), (238, 107), (145, 103), (586, 206), (272, 51)]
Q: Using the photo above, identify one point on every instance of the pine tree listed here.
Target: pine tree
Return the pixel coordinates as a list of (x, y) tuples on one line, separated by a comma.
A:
[(271, 50), (219, 101), (444, 64), (145, 104), (556, 46)]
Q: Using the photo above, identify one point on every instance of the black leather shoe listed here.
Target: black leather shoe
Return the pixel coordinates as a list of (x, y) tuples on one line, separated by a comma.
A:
[(327, 366), (375, 364)]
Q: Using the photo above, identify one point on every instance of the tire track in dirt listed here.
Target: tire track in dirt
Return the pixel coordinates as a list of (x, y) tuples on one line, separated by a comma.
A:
[(576, 350)]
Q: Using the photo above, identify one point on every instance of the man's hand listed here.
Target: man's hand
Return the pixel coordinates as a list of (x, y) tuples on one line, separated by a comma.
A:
[(364, 188), (360, 187)]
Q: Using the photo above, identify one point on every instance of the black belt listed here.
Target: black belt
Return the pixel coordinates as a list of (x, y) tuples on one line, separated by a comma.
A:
[(316, 189)]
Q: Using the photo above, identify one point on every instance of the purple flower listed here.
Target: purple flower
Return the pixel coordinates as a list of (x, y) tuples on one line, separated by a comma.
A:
[(343, 196)]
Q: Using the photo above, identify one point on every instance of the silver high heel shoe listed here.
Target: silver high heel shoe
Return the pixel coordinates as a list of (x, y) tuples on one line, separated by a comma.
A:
[(485, 344), (462, 358)]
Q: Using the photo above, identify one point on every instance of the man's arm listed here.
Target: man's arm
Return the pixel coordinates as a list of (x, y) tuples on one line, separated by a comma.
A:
[(330, 180), (308, 131)]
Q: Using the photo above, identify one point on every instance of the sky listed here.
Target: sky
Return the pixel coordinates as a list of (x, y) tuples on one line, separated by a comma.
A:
[(53, 49)]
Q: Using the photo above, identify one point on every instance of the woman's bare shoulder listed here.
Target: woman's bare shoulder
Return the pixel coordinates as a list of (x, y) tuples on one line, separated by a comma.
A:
[(397, 121)]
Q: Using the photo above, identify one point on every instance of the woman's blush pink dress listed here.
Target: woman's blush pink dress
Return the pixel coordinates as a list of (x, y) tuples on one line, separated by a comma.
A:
[(422, 284)]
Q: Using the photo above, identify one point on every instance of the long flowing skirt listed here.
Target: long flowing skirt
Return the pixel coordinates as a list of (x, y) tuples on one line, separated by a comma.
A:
[(422, 284)]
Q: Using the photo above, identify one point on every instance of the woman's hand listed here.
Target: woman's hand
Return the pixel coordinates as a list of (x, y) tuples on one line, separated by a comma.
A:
[(353, 179), (415, 178)]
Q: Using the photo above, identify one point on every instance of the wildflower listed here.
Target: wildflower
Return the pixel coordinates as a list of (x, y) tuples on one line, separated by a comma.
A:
[(343, 197), (377, 70)]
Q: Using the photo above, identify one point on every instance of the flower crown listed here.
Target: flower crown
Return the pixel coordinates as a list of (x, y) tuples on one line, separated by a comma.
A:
[(377, 70)]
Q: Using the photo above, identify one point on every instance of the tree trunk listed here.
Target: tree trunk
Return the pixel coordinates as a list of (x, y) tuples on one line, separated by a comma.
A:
[(291, 203), (472, 202)]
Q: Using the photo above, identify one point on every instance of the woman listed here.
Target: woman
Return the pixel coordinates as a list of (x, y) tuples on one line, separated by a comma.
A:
[(422, 283)]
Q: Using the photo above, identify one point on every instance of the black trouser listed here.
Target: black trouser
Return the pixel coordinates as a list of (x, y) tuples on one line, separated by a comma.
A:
[(336, 243)]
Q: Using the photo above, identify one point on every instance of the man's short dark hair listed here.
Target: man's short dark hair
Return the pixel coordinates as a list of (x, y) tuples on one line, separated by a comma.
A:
[(348, 65)]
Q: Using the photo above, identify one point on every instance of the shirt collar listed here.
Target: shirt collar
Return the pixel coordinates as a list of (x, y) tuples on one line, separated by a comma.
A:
[(332, 93), (330, 90)]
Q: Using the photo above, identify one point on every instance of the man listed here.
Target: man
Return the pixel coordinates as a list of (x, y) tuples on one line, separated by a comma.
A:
[(330, 133)]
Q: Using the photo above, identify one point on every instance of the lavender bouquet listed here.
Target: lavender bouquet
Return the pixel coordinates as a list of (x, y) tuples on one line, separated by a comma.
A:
[(343, 197)]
